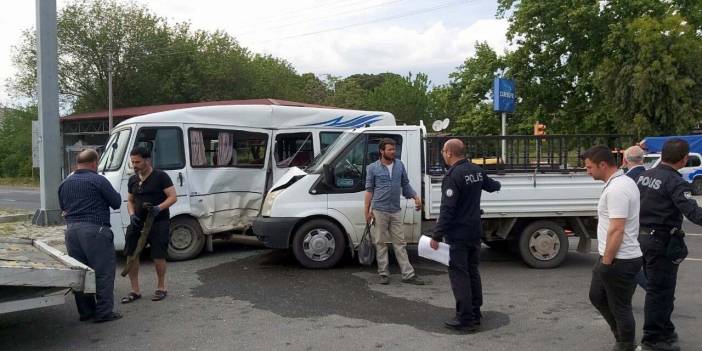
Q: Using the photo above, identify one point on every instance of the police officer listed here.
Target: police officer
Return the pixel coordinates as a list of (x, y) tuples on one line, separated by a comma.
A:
[(459, 223), (665, 198)]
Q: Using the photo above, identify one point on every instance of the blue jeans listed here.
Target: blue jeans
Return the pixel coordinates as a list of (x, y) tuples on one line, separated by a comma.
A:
[(92, 245)]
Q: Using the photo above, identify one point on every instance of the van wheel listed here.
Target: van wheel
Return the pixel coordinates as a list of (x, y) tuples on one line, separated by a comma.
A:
[(318, 244), (697, 186), (187, 239), (543, 244)]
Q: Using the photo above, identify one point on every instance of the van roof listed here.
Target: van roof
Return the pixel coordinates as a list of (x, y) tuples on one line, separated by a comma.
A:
[(268, 117)]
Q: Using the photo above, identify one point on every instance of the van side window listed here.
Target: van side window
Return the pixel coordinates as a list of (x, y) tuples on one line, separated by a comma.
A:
[(693, 161), (293, 149), (211, 148), (326, 139), (165, 145)]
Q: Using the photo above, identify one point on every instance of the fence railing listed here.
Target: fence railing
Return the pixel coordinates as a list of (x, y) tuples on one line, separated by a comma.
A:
[(526, 153)]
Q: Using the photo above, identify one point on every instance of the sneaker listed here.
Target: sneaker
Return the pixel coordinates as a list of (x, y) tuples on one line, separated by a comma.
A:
[(109, 318), (414, 280), (384, 279), (455, 324)]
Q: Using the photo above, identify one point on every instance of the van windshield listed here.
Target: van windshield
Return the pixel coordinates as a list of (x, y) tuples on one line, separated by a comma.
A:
[(327, 155), (112, 156)]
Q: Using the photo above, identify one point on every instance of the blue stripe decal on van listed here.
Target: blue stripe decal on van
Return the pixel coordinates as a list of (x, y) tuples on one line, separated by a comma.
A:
[(355, 122)]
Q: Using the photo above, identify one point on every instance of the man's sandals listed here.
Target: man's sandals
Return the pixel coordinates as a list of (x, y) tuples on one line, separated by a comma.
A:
[(131, 297), (159, 295)]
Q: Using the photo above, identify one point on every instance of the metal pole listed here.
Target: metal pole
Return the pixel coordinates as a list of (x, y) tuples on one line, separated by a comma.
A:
[(504, 140), (49, 139), (109, 92)]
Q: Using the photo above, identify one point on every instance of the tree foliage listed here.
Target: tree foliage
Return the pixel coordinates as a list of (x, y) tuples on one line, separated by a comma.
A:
[(16, 145)]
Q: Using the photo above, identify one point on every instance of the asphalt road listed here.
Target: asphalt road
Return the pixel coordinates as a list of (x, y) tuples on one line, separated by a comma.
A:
[(19, 198), (242, 298)]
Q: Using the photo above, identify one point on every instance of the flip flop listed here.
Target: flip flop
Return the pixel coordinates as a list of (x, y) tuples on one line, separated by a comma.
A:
[(159, 295), (131, 297)]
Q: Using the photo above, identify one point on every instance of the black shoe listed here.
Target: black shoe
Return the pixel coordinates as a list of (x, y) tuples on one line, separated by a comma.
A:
[(109, 318), (457, 325), (624, 346), (384, 279), (658, 346), (86, 317)]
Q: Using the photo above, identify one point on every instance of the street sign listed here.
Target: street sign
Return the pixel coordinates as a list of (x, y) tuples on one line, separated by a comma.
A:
[(504, 95), (35, 144)]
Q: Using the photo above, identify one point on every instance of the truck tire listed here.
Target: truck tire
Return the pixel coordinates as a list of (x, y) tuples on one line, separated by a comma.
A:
[(318, 244), (697, 186), (187, 239), (543, 244)]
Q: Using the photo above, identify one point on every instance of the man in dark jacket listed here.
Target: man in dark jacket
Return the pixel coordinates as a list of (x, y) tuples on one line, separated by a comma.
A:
[(665, 198), (459, 223), (633, 162), (85, 198)]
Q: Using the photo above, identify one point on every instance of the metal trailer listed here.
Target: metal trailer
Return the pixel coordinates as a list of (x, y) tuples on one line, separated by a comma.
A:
[(34, 274)]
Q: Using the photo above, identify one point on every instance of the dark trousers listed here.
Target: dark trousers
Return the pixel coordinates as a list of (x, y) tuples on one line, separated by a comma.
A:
[(464, 258), (93, 246), (662, 277), (611, 290)]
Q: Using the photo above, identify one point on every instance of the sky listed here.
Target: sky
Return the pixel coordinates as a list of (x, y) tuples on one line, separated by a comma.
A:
[(338, 37)]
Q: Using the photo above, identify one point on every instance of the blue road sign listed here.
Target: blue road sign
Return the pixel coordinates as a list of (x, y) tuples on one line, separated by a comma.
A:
[(505, 97)]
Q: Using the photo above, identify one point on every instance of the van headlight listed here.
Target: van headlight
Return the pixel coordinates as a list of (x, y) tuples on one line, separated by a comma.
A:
[(268, 203)]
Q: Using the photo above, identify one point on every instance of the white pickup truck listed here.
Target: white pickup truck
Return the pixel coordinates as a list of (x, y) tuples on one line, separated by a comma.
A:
[(545, 197)]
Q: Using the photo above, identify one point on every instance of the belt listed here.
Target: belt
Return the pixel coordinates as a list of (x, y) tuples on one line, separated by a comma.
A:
[(660, 232)]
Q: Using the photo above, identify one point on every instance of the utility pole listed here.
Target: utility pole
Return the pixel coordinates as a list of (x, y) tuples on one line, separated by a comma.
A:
[(49, 142), (109, 93)]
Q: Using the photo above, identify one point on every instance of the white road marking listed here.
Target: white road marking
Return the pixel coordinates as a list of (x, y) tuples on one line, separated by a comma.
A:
[(694, 259), (688, 234)]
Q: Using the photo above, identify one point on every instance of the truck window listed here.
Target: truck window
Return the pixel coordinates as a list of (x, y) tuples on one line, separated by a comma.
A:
[(326, 139), (293, 149), (165, 145), (350, 169), (693, 161), (213, 148)]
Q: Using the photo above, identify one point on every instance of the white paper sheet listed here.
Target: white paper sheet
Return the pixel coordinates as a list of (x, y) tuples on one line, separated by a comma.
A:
[(441, 255)]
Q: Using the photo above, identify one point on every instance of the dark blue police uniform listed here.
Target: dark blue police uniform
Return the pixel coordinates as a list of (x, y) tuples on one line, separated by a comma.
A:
[(459, 222), (665, 198)]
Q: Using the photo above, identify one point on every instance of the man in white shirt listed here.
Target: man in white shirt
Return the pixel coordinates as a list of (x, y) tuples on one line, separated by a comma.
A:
[(614, 275)]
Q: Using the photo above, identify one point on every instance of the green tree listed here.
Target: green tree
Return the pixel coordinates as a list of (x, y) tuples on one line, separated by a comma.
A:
[(16, 145), (405, 97)]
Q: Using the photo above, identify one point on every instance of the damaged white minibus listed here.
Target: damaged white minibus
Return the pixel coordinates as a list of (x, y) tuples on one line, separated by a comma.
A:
[(222, 160)]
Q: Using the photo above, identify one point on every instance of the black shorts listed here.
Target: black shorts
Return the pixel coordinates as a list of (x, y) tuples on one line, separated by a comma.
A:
[(158, 239)]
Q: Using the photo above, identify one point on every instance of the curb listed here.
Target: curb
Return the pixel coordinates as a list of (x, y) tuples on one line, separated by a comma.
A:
[(15, 218)]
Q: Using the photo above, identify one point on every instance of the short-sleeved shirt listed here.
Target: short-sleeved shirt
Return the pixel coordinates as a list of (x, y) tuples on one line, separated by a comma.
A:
[(151, 190), (620, 199)]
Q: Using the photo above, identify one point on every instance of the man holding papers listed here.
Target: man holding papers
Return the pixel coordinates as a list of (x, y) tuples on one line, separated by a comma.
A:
[(459, 223)]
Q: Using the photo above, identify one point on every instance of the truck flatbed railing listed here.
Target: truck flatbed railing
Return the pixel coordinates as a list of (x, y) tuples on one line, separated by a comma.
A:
[(526, 153), (34, 274)]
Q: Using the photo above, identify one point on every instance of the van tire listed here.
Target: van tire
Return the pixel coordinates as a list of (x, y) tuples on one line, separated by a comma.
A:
[(187, 239), (319, 244), (543, 244), (697, 186)]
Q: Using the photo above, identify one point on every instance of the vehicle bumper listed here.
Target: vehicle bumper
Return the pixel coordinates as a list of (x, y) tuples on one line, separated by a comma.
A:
[(274, 232)]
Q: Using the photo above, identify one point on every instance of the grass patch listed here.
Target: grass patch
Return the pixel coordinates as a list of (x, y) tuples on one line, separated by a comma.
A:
[(25, 182)]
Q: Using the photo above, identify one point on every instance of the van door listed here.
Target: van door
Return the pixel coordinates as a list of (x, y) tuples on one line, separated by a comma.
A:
[(349, 177), (167, 154), (228, 169)]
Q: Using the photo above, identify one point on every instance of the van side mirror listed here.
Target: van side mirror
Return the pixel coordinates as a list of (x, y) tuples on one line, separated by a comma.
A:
[(328, 175)]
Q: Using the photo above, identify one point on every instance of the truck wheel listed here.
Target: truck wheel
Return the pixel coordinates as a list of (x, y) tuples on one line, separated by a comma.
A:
[(318, 244), (187, 239), (543, 244), (697, 186)]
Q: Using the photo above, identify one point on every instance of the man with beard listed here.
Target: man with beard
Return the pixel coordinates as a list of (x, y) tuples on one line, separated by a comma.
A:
[(459, 222), (153, 186), (386, 179)]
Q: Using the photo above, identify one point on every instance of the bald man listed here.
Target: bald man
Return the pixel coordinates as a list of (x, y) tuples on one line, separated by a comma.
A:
[(85, 198), (459, 223), (633, 162)]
